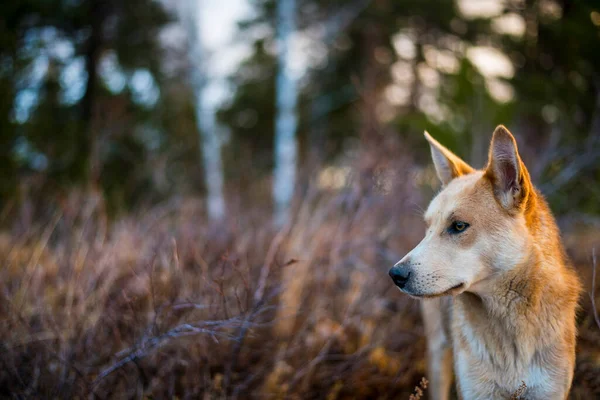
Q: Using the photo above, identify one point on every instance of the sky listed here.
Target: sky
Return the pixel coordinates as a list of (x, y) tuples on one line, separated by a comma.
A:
[(224, 49), (218, 23)]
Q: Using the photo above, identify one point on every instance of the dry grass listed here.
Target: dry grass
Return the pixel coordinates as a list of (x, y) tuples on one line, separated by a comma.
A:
[(419, 390), (165, 304)]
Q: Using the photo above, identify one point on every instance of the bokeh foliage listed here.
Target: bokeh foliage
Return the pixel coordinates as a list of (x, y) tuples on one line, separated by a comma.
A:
[(357, 87)]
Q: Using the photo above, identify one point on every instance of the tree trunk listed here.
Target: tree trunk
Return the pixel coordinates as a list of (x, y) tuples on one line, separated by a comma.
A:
[(286, 148), (208, 126)]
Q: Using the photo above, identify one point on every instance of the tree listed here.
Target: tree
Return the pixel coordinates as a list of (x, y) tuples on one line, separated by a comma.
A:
[(208, 126), (63, 116), (286, 121)]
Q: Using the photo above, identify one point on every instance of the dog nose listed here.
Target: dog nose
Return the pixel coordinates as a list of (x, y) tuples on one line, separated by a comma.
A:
[(399, 275)]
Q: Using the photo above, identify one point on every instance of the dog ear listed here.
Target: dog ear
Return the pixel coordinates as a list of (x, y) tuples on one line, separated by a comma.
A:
[(447, 164), (506, 171)]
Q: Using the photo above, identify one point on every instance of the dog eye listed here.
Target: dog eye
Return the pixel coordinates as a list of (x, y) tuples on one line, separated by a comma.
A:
[(458, 227)]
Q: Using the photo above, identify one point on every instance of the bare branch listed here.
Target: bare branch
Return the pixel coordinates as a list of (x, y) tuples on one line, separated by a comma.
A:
[(148, 346)]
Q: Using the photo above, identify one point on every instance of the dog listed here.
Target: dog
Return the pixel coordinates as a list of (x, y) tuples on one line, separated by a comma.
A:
[(499, 297)]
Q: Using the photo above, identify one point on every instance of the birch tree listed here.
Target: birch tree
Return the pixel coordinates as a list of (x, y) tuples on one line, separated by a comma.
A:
[(286, 148), (208, 126)]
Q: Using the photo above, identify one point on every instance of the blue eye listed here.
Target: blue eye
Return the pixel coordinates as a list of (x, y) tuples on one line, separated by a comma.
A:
[(457, 227)]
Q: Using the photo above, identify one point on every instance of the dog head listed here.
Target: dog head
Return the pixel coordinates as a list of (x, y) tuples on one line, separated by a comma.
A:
[(476, 225)]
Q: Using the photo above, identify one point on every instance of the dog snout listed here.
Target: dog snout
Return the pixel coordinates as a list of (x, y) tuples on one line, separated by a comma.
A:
[(400, 274)]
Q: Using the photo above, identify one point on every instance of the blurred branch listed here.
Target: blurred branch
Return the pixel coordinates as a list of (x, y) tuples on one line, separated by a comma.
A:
[(269, 260), (149, 345), (258, 298), (569, 172), (593, 291), (582, 158), (305, 373), (571, 219), (551, 151), (580, 162)]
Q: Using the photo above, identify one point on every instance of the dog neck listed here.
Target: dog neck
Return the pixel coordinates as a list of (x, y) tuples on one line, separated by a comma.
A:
[(514, 297), (514, 305), (507, 299)]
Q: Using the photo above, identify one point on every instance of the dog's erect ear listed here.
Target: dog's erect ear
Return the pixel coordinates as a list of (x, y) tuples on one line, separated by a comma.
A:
[(506, 171), (447, 164)]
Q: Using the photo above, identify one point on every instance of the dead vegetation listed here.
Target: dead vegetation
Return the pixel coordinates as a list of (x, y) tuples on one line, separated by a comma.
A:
[(162, 303), (419, 390), (520, 392)]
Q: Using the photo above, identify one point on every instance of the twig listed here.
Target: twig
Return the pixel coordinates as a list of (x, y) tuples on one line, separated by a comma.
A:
[(419, 390), (518, 394), (179, 306), (593, 291), (586, 157), (269, 260), (149, 345), (258, 299), (307, 371)]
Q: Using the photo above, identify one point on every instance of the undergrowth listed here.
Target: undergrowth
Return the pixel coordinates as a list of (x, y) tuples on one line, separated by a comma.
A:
[(162, 303)]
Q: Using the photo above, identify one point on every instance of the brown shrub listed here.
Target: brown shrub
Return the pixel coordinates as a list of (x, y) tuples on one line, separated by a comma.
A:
[(163, 303)]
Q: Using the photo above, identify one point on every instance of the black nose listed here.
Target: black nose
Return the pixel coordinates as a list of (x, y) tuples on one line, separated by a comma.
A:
[(400, 275)]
